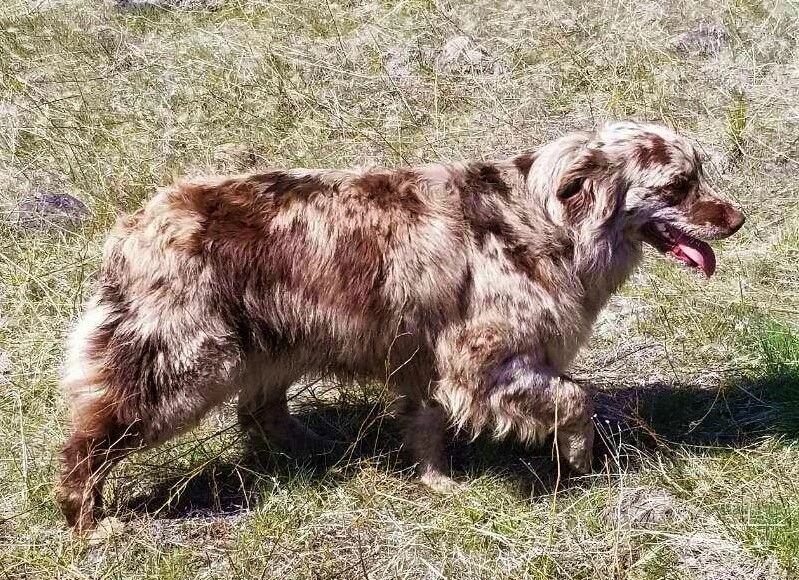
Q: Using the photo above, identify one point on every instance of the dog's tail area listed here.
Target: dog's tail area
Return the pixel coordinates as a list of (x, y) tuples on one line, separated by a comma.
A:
[(135, 374), (97, 436), (84, 379)]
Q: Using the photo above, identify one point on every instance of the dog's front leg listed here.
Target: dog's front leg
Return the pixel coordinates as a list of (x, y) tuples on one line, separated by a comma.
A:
[(490, 380), (535, 402)]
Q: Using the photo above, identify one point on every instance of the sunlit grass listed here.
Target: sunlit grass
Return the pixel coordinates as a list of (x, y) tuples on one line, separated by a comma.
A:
[(108, 103)]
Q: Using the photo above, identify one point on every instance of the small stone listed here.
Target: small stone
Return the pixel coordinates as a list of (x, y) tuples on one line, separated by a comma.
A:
[(460, 49), (399, 61), (718, 160), (704, 39), (45, 209), (5, 368), (708, 556), (461, 54), (234, 157)]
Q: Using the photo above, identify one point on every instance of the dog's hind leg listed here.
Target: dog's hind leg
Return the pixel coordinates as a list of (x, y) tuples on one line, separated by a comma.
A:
[(263, 408), (96, 444), (425, 440), (132, 387)]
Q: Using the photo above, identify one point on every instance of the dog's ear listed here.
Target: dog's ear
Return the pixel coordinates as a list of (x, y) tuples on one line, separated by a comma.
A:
[(582, 188), (570, 186), (586, 165)]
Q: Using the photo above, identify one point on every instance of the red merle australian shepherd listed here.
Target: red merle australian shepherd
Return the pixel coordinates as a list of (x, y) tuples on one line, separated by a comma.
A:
[(475, 284)]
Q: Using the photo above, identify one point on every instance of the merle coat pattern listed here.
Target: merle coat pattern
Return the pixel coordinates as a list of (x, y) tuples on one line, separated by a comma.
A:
[(466, 288)]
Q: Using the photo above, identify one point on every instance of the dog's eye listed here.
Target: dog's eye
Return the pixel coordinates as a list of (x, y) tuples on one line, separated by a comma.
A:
[(679, 189)]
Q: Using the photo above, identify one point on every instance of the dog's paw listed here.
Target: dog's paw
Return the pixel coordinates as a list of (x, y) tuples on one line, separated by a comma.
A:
[(576, 448), (106, 529), (581, 465), (440, 483)]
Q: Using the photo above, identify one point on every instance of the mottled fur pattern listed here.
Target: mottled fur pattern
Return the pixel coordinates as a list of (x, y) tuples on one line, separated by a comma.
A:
[(466, 288)]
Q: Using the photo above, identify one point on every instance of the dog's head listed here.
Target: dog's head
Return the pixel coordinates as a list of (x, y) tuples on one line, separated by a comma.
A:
[(647, 182)]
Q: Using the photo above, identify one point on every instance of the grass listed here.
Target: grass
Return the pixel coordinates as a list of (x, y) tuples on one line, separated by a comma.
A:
[(106, 103)]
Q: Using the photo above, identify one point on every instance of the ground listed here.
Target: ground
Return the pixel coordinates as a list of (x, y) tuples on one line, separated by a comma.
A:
[(698, 381)]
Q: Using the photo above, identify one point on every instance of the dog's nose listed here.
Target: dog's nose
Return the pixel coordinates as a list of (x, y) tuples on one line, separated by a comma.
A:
[(735, 219)]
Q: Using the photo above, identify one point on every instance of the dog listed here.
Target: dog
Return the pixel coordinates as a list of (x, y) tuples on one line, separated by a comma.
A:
[(467, 288)]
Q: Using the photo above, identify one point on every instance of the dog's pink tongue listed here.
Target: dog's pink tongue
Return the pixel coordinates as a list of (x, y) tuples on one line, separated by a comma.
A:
[(699, 253)]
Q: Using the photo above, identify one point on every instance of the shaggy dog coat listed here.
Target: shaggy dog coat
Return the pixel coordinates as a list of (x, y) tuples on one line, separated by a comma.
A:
[(466, 288)]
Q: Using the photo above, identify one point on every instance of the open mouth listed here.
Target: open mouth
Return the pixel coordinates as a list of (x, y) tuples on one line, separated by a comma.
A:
[(686, 249)]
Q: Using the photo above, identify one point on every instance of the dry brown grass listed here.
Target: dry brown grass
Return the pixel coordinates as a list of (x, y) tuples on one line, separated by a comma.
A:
[(107, 102)]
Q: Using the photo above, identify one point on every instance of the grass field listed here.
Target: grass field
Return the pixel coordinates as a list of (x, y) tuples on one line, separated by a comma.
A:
[(698, 380)]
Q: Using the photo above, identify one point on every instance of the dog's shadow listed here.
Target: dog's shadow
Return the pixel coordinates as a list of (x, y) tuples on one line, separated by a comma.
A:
[(633, 422)]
